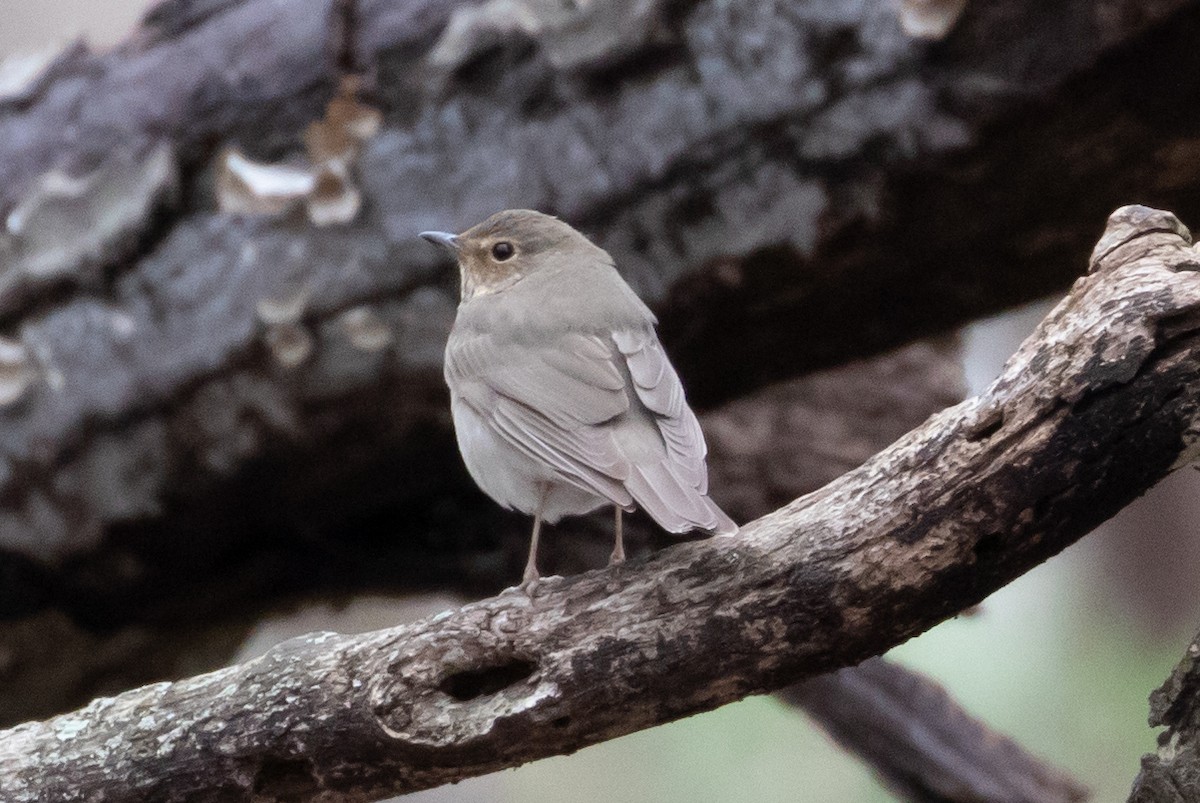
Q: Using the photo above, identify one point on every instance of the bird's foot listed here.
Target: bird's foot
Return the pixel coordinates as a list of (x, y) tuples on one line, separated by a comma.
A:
[(617, 556), (530, 582)]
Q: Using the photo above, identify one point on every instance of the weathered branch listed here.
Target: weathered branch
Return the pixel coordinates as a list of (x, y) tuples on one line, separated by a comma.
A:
[(1099, 403), (161, 468), (165, 475), (1172, 774)]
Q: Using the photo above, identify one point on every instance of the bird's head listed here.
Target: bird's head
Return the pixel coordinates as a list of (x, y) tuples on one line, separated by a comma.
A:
[(510, 245)]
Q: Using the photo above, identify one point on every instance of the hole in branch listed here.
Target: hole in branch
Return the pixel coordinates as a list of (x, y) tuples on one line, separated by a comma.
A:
[(472, 683), (1041, 508), (988, 547), (282, 778)]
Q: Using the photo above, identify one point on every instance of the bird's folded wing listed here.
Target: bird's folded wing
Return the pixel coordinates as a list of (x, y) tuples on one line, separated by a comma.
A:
[(564, 404), (547, 402), (659, 389)]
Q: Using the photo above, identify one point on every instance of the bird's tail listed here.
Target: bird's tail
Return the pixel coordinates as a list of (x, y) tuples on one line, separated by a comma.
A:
[(673, 503)]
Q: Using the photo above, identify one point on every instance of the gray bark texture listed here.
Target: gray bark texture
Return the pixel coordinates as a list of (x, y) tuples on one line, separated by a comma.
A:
[(1099, 403)]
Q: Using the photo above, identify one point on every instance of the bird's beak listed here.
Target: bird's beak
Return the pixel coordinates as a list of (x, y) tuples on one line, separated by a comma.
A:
[(443, 238)]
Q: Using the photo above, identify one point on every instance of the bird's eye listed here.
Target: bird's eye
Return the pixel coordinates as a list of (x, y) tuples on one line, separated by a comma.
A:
[(503, 250)]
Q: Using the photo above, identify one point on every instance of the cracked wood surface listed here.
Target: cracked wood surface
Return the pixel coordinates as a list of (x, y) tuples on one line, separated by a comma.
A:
[(1101, 401)]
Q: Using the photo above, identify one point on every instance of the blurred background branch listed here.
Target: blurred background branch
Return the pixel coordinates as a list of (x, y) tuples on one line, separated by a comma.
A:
[(921, 743)]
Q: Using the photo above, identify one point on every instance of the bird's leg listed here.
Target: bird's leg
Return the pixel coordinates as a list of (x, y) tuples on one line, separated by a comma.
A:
[(618, 553), (529, 579)]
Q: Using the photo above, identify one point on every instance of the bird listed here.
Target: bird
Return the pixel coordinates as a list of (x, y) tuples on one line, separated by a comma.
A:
[(562, 397)]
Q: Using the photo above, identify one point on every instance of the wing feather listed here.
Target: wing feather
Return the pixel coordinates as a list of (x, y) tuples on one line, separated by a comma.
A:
[(585, 462), (548, 402), (659, 389), (587, 389), (606, 414)]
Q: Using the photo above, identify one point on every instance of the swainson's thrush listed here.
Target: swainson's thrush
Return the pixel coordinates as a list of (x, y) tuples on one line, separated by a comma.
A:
[(562, 398)]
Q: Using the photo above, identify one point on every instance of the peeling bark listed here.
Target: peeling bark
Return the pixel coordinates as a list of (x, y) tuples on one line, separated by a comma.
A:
[(1100, 402)]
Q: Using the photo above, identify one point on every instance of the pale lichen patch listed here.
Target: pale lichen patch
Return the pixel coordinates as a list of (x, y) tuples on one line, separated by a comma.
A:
[(364, 329), (284, 308), (322, 181), (289, 343), (20, 72), (66, 728), (246, 187), (17, 372), (930, 19), (572, 35)]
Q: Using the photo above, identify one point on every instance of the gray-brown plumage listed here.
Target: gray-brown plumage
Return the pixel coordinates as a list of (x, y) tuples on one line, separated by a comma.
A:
[(562, 398)]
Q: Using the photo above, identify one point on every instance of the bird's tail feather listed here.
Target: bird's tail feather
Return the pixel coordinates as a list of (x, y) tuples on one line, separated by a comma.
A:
[(674, 504)]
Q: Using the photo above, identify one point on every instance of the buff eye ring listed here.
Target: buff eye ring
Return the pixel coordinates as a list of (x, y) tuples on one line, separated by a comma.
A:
[(503, 250)]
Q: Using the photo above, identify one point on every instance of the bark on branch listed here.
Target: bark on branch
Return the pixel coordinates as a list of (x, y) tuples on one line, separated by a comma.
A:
[(1097, 405)]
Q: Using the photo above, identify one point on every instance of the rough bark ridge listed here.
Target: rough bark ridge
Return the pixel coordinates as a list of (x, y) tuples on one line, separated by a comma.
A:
[(1101, 401)]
